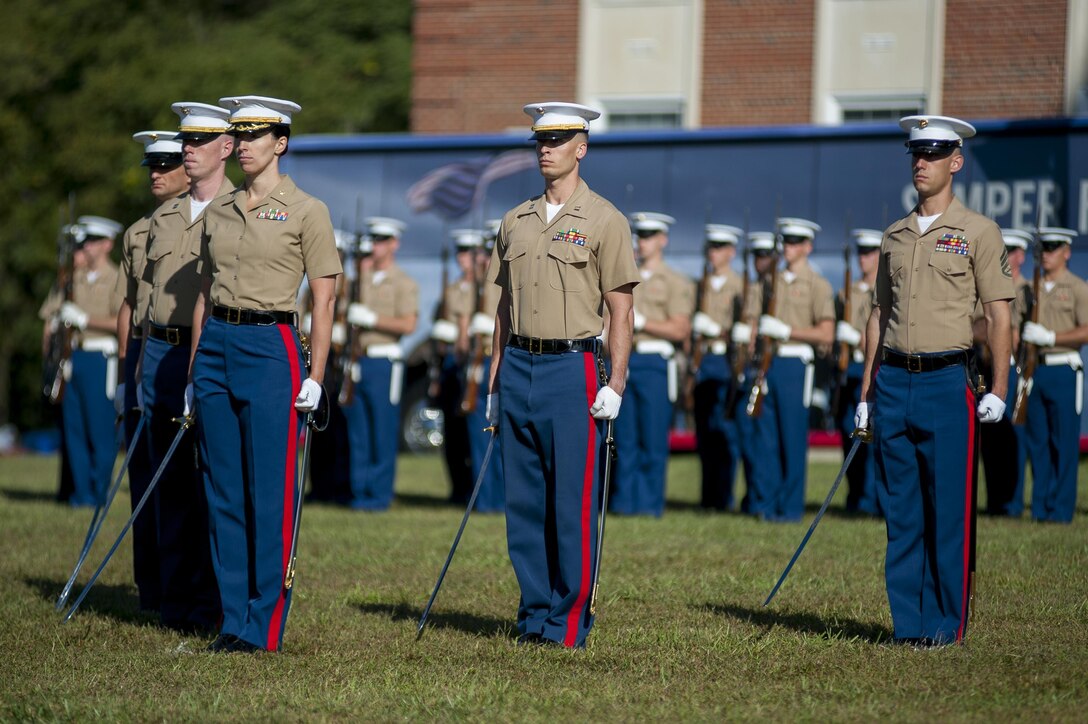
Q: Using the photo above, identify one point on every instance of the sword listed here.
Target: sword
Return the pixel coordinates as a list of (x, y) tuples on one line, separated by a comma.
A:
[(99, 516), (457, 538), (611, 449), (289, 577), (860, 435), (186, 422)]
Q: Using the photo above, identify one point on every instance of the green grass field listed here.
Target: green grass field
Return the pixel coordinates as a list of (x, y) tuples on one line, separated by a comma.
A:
[(680, 633)]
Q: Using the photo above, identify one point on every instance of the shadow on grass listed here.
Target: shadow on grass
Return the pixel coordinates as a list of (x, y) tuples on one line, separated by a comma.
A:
[(426, 501), (839, 628), (116, 601), (469, 623), (28, 496)]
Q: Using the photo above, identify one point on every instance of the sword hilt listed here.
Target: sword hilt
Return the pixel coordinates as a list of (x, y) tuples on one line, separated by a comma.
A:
[(865, 434)]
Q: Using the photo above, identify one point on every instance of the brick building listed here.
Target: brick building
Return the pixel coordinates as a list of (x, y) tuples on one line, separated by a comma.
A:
[(703, 63)]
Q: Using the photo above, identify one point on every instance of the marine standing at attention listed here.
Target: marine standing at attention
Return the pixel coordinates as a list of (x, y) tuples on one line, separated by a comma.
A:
[(248, 372), (559, 258), (935, 264)]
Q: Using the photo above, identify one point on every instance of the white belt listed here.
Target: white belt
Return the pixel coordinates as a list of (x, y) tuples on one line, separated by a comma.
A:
[(655, 346), (802, 352), (1064, 358), (106, 345), (385, 351), (718, 347)]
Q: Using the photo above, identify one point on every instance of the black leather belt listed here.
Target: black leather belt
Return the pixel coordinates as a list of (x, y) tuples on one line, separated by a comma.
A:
[(924, 363), (235, 315), (553, 346), (176, 336), (136, 332)]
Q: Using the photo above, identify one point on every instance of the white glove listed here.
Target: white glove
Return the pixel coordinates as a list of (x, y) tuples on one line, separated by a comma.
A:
[(492, 409), (607, 404), (73, 316), (991, 408), (119, 399), (481, 324), (189, 404), (774, 328), (862, 415), (704, 325), (444, 330), (339, 333), (1038, 335), (307, 320), (845, 332), (742, 333), (308, 396), (640, 320), (362, 316)]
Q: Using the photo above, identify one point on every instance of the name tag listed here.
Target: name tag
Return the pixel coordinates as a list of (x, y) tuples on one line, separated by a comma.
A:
[(954, 244), (273, 215), (571, 236)]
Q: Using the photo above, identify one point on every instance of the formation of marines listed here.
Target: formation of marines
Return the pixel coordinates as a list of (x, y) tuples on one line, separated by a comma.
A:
[(564, 310)]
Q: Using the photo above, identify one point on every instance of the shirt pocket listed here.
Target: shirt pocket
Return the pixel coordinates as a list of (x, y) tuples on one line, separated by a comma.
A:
[(517, 265), (158, 259), (567, 264), (950, 278)]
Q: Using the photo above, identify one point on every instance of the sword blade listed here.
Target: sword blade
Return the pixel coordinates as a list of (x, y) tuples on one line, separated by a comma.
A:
[(609, 442), (289, 576), (186, 423), (100, 512), (816, 520), (457, 538)]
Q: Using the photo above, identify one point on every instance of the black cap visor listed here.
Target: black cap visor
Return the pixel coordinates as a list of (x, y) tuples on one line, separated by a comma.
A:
[(932, 147), (161, 160)]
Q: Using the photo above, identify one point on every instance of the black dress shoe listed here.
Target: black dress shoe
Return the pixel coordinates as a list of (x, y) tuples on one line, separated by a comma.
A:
[(531, 639), (241, 646), (222, 641)]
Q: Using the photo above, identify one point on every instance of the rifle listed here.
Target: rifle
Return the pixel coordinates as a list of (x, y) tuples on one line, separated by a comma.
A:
[(843, 362), (697, 344), (58, 347), (434, 364), (354, 289), (475, 370), (1027, 356), (768, 346)]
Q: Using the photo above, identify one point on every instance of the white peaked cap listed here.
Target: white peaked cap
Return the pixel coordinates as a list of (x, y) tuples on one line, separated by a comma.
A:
[(651, 221), (935, 133), (200, 119), (1056, 233), (100, 226), (761, 240), (867, 238), (385, 226), (254, 113), (555, 119), (723, 234), (788, 226), (1016, 237), (158, 142), (467, 238)]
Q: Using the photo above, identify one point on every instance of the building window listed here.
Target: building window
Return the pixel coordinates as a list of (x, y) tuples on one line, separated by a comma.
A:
[(857, 111), (643, 114)]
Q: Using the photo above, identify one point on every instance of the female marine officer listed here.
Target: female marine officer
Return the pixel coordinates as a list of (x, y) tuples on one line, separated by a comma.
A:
[(247, 373)]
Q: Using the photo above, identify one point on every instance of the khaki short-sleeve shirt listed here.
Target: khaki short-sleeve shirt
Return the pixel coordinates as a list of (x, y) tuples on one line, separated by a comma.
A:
[(1020, 305), (1063, 306), (256, 258), (928, 284), (663, 294), (722, 299), (460, 300), (131, 286), (96, 294), (861, 305), (391, 293), (804, 298), (173, 268), (558, 273)]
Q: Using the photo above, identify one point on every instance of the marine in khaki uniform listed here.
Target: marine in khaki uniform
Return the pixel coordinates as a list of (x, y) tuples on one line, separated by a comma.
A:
[(560, 258), (936, 263), (479, 328), (162, 156), (190, 598), (390, 311), (664, 303), (1057, 391), (804, 317), (864, 490), (88, 440), (720, 304), (450, 341), (249, 376), (1004, 445)]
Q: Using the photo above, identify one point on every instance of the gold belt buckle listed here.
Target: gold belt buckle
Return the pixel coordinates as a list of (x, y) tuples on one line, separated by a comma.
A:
[(234, 315), (173, 336), (914, 363)]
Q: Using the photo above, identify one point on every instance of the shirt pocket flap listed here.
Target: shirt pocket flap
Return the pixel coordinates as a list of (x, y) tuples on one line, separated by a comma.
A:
[(568, 253)]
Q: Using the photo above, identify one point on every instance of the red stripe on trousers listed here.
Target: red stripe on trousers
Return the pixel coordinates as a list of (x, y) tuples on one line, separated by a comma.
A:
[(587, 502), (971, 422), (287, 332)]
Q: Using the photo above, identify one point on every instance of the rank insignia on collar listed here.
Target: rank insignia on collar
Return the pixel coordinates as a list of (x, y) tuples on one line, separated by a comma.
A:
[(273, 215), (572, 236), (954, 244)]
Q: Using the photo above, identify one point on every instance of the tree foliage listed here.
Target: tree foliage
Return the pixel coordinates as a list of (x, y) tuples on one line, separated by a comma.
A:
[(81, 76)]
